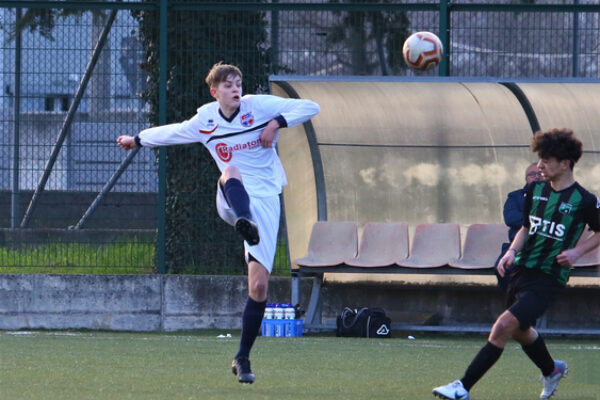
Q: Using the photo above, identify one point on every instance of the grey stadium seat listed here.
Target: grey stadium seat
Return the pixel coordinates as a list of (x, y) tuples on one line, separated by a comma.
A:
[(330, 244), (382, 244), (482, 246), (433, 245)]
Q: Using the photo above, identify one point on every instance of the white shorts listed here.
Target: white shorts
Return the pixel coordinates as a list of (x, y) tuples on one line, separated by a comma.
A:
[(265, 213)]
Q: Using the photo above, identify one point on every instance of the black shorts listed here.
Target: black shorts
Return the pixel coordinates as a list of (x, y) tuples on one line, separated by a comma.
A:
[(530, 293)]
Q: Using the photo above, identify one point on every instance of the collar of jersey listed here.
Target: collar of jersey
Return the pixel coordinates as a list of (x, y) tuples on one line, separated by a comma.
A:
[(235, 113)]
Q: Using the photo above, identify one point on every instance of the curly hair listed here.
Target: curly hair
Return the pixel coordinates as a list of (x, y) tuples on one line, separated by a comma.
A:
[(220, 72), (561, 144)]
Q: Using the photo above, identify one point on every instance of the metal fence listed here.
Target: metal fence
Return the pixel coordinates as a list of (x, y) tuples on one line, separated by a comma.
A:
[(76, 74)]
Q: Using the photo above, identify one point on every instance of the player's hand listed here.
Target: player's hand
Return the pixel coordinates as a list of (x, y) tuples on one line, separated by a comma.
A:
[(126, 142), (505, 262), (568, 257), (267, 136)]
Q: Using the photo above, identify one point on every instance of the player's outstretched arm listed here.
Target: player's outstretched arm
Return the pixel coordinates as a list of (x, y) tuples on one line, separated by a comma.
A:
[(126, 142), (292, 112), (285, 113), (165, 135)]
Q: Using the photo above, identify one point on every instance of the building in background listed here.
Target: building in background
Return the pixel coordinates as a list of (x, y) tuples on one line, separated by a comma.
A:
[(51, 71)]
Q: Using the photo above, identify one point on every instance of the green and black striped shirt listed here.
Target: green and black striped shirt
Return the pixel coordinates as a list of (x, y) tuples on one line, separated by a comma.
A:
[(555, 221)]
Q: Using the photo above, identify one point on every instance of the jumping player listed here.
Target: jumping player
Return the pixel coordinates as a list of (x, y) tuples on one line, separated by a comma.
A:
[(241, 133), (542, 254)]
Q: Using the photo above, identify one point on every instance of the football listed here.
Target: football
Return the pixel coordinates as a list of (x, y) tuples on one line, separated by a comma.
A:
[(422, 51)]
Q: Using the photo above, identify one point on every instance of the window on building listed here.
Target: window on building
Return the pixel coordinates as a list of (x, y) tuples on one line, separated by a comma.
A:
[(65, 103), (49, 103), (56, 103)]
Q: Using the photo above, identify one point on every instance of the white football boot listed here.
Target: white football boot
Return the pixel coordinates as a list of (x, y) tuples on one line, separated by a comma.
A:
[(551, 382), (452, 391)]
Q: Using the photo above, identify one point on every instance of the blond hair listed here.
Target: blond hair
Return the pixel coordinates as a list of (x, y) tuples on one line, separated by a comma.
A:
[(220, 72)]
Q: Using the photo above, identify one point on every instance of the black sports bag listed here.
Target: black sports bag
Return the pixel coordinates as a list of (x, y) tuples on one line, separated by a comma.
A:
[(364, 322)]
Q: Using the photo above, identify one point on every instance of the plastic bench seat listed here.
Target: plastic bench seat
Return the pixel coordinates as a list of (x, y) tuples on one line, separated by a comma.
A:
[(482, 246), (331, 243), (382, 244), (433, 245)]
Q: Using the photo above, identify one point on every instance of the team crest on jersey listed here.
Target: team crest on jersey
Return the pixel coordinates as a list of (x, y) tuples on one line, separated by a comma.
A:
[(565, 208), (247, 119), (224, 152)]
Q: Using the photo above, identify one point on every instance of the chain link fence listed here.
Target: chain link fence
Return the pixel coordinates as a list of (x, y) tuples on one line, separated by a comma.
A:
[(77, 75)]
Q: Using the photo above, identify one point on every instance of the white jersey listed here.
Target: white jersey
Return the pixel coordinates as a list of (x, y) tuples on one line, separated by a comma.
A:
[(235, 141)]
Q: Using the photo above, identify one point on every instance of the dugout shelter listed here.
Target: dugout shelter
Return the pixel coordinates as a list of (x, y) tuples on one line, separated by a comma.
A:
[(437, 150), (422, 151)]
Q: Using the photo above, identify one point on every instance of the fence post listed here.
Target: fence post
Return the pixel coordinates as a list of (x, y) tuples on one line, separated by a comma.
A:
[(162, 119), (445, 36), (575, 71), (275, 40), (15, 194)]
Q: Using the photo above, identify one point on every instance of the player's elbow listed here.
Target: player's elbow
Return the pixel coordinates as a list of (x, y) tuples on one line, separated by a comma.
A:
[(316, 108), (310, 107)]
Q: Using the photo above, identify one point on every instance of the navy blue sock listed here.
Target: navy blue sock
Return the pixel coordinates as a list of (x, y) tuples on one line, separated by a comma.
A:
[(483, 361), (236, 195), (251, 320)]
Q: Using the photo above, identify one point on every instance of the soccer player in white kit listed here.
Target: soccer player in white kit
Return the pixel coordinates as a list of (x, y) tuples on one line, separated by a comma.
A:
[(241, 133)]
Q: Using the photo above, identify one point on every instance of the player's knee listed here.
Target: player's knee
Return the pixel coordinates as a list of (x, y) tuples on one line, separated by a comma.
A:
[(258, 290), (499, 334), (261, 287), (505, 326), (229, 172)]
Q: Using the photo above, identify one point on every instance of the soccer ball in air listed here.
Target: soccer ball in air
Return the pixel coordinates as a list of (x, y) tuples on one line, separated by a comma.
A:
[(422, 51)]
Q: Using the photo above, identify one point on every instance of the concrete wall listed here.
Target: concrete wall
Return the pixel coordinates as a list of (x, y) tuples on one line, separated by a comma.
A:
[(184, 302), (127, 302)]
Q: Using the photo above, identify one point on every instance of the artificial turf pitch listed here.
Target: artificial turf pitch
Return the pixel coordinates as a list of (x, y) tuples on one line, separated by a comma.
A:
[(196, 365)]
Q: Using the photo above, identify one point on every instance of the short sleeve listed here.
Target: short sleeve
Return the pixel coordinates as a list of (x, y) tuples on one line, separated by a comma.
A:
[(592, 213)]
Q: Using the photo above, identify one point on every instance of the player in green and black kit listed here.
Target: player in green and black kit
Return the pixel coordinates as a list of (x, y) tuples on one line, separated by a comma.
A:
[(542, 254)]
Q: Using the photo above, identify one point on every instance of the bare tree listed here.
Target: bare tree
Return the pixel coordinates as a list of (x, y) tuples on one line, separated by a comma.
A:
[(371, 39)]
